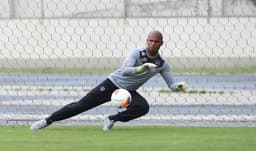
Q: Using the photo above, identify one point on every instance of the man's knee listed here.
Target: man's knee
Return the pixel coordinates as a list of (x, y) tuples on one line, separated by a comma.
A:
[(144, 109)]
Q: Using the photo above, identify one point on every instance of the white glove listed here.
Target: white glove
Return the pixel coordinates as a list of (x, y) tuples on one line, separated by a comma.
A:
[(181, 86), (146, 67)]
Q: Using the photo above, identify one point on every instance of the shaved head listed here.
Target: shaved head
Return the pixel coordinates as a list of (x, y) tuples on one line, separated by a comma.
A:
[(156, 33), (154, 42)]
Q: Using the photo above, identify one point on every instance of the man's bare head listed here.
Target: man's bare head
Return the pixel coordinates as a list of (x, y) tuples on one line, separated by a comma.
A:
[(154, 42), (156, 33)]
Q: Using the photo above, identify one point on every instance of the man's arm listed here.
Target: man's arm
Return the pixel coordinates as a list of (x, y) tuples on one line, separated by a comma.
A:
[(175, 86), (129, 66)]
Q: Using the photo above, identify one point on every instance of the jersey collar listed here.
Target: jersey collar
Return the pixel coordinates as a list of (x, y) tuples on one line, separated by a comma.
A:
[(151, 57)]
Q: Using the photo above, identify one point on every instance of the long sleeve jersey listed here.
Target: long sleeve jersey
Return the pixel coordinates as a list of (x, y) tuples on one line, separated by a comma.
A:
[(128, 78)]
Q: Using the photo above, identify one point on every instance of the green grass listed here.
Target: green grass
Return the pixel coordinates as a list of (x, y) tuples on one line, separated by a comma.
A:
[(120, 138), (238, 70)]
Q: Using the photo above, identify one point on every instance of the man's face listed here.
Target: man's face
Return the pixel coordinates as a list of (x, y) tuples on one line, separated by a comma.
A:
[(154, 42)]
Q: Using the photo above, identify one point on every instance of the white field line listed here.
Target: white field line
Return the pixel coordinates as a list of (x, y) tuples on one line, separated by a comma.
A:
[(161, 117)]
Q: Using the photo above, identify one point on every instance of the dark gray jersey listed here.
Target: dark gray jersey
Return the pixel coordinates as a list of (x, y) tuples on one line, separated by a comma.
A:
[(127, 77)]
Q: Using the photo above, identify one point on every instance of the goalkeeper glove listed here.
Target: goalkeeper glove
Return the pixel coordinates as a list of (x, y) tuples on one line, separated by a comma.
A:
[(146, 67), (181, 86)]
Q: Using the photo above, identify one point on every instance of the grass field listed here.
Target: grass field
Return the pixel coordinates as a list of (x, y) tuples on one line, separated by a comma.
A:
[(120, 138)]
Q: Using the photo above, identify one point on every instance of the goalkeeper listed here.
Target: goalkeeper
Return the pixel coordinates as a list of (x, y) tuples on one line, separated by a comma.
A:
[(139, 66)]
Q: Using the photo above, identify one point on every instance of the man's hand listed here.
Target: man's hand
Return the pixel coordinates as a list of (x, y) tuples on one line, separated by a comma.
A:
[(181, 86), (146, 67)]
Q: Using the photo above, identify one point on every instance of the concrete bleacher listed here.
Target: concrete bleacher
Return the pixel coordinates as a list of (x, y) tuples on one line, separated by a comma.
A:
[(82, 42)]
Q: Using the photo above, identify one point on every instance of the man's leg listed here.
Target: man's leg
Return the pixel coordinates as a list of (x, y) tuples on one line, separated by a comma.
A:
[(98, 95), (137, 108)]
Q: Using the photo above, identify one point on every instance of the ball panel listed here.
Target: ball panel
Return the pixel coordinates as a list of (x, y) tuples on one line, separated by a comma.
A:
[(126, 103), (121, 98)]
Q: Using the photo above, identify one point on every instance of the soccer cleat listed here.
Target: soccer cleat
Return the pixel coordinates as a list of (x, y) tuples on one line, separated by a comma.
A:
[(39, 125), (108, 124)]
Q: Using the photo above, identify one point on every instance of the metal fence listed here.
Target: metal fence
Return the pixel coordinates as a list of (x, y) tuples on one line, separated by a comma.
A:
[(87, 35)]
